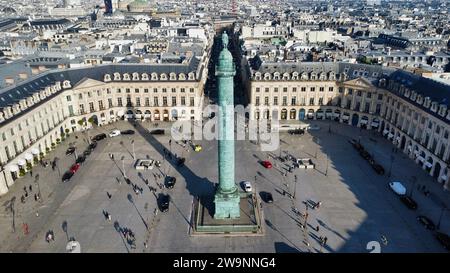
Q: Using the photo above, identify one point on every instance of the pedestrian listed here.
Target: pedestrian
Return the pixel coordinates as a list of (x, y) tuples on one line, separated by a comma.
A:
[(26, 194), (317, 228), (31, 173), (112, 156), (25, 229), (22, 199), (109, 195), (31, 188), (24, 188), (145, 244)]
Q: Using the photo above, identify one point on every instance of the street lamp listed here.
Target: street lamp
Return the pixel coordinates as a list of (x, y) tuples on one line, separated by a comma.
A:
[(413, 180), (440, 217), (123, 166), (390, 167)]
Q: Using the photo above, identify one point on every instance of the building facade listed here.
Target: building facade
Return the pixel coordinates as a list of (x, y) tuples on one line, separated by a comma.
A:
[(409, 110), (37, 114)]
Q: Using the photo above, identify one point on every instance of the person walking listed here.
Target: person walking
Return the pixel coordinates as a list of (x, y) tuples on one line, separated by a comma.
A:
[(317, 228), (31, 188)]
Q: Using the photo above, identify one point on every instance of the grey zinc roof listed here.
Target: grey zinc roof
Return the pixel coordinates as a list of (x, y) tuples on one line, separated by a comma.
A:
[(13, 94)]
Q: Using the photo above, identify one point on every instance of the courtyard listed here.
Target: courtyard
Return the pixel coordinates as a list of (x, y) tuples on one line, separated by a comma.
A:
[(357, 206)]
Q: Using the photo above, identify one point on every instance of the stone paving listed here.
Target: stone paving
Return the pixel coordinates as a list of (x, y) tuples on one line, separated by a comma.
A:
[(357, 206)]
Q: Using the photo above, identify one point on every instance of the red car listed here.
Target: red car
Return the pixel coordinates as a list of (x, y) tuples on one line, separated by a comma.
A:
[(267, 164), (74, 168)]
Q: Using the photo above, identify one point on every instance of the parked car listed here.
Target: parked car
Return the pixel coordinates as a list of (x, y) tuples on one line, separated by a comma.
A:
[(180, 161), (164, 202), (364, 154), (170, 182), (114, 133), (80, 159), (157, 132), (296, 132), (378, 169), (426, 222), (267, 197), (66, 176), (99, 137), (75, 168), (87, 152), (267, 164), (398, 188), (444, 239), (409, 202), (247, 186), (144, 164), (127, 132), (92, 146), (70, 150)]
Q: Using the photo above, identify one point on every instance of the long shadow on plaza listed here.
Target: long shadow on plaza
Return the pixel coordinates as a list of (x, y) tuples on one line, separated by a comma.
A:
[(197, 186), (371, 195)]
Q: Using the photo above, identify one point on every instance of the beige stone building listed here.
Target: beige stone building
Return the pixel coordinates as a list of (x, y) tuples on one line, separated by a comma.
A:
[(36, 114), (410, 110)]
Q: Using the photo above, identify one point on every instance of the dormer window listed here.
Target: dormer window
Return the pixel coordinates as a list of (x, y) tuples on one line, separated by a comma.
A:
[(117, 76), (135, 76), (144, 76), (191, 76), (172, 76), (107, 78), (154, 76), (182, 77), (126, 77), (163, 77)]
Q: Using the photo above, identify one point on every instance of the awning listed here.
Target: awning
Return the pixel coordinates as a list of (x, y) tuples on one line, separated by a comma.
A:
[(120, 113), (363, 121), (28, 156), (35, 151), (345, 117), (428, 165), (390, 135), (374, 124), (385, 132), (410, 148), (165, 115), (398, 138), (328, 114), (421, 159), (336, 115), (21, 162), (13, 168), (444, 177)]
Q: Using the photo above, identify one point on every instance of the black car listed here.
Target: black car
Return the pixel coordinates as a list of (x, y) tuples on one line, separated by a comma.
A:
[(67, 175), (378, 169), (296, 132), (99, 137), (128, 181), (180, 161), (70, 151), (80, 159), (444, 239), (92, 146), (426, 222), (170, 182), (157, 132), (87, 152), (164, 202), (127, 132), (364, 154), (409, 202), (267, 197)]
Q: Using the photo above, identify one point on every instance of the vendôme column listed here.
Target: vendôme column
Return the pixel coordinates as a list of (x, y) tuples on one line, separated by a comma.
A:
[(227, 197)]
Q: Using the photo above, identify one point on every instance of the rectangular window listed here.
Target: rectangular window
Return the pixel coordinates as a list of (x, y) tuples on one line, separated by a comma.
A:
[(359, 93), (119, 102), (164, 101), (174, 101), (275, 100), (257, 101), (350, 91), (155, 101), (129, 104), (138, 102), (81, 109), (127, 90), (71, 111), (320, 101), (146, 90), (100, 105), (367, 107), (136, 90), (183, 90), (147, 102), (313, 89), (91, 107), (108, 91), (284, 100), (183, 101), (330, 89), (321, 89), (164, 90), (257, 89), (369, 95), (80, 96), (174, 90), (110, 104), (266, 90), (284, 89), (119, 90), (293, 100), (311, 101), (266, 101), (155, 90), (69, 98), (191, 101), (89, 94), (294, 89), (303, 89), (191, 90)]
